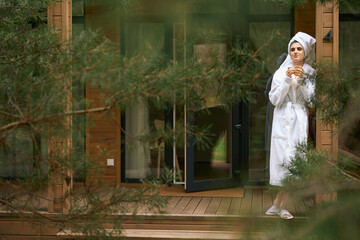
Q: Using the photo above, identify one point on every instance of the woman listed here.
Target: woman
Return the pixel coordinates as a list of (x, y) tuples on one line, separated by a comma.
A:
[(291, 88)]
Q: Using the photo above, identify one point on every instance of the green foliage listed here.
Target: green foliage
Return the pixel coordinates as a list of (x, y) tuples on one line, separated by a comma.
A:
[(352, 5), (337, 93), (313, 173), (41, 76), (310, 165)]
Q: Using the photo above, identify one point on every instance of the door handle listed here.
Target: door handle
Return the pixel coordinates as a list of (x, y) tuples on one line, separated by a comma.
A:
[(238, 126)]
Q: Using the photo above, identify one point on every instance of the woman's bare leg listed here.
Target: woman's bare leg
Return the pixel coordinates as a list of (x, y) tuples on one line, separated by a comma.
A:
[(281, 201)]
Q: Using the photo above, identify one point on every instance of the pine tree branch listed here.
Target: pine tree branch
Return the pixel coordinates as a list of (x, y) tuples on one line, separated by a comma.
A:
[(22, 56), (252, 57), (343, 172), (27, 120)]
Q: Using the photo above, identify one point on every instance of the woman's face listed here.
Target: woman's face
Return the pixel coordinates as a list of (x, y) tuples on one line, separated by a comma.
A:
[(297, 53)]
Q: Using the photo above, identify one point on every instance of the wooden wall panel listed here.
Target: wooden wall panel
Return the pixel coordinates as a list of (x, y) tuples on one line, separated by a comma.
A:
[(304, 18), (326, 137), (15, 228), (327, 18), (57, 21), (328, 49), (103, 132), (104, 129), (60, 16)]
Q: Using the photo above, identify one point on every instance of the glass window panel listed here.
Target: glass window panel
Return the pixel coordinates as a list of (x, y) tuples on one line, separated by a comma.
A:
[(215, 159), (179, 55), (348, 9), (17, 157), (211, 6), (260, 32), (77, 29), (78, 7), (267, 7), (144, 159), (349, 49), (79, 123), (258, 156), (349, 43)]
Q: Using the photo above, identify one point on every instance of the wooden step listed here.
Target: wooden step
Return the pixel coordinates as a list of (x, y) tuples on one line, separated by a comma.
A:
[(195, 227), (169, 234), (208, 222)]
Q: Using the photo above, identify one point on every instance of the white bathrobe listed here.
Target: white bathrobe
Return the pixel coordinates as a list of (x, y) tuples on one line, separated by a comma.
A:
[(290, 119)]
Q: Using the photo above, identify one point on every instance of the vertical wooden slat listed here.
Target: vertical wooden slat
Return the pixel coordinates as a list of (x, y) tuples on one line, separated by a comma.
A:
[(66, 19), (60, 16), (327, 19)]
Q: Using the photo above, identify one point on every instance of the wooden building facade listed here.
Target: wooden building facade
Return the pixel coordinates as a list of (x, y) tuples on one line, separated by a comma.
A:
[(249, 166), (320, 21)]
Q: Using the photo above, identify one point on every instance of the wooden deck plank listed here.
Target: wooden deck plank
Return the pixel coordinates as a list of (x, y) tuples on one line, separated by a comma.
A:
[(144, 208), (234, 206), (267, 201), (290, 206), (172, 203), (245, 208), (213, 206), (257, 202), (202, 206), (181, 205), (128, 207), (309, 204), (224, 206), (134, 208), (190, 208), (300, 207)]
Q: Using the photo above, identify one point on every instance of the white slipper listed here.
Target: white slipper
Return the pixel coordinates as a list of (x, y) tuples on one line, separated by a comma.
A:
[(273, 211), (284, 212)]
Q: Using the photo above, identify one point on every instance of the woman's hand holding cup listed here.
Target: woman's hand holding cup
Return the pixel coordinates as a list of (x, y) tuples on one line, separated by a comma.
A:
[(297, 71)]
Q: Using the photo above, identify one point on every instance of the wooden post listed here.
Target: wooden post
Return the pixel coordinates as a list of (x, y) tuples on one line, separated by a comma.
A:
[(327, 22), (327, 19), (60, 183)]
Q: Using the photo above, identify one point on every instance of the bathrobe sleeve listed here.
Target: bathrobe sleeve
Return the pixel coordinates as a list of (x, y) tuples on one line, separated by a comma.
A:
[(308, 88), (279, 87)]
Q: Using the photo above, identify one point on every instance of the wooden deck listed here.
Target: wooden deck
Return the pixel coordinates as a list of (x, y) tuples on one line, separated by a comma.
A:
[(255, 202), (187, 217)]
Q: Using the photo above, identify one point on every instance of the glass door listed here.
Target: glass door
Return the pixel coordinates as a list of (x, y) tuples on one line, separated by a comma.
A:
[(218, 164), (144, 159), (215, 164)]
